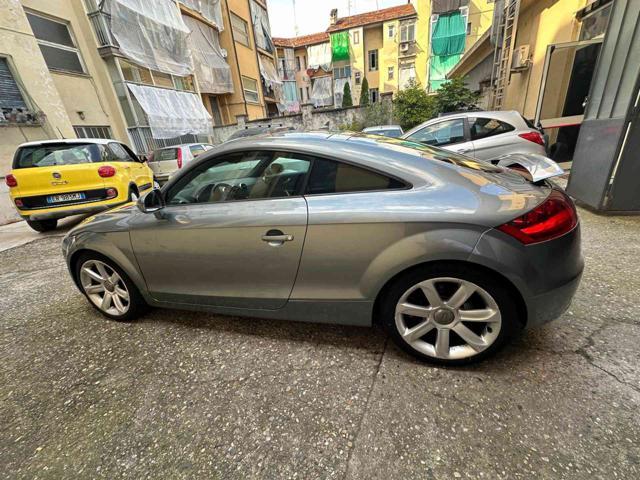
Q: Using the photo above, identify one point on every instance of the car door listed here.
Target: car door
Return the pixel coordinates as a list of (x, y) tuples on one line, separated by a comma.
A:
[(450, 134), (231, 233), (138, 172), (492, 137)]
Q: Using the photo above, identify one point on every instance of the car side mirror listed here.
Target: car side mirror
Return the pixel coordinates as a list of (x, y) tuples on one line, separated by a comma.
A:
[(151, 202)]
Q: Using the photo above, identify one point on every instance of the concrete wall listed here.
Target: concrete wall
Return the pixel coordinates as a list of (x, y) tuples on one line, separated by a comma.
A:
[(423, 44), (358, 63), (373, 41), (480, 18)]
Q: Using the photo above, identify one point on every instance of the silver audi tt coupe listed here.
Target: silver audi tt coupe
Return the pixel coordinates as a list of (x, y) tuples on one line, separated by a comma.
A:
[(453, 256)]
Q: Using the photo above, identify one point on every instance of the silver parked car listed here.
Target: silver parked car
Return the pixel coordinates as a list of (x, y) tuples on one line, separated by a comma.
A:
[(483, 135), (166, 161), (452, 256), (393, 131)]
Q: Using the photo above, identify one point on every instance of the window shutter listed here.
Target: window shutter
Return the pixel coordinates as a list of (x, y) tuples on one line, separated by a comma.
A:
[(10, 95)]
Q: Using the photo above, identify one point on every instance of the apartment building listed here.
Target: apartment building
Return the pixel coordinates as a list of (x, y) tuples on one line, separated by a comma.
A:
[(540, 60), (300, 60)]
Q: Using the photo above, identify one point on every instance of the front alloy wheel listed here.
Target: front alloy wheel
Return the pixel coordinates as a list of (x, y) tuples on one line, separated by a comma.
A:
[(105, 288), (448, 318)]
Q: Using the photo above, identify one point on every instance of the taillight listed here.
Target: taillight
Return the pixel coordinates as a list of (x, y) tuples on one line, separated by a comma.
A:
[(551, 219), (179, 158), (11, 181), (106, 171), (534, 137), (112, 193)]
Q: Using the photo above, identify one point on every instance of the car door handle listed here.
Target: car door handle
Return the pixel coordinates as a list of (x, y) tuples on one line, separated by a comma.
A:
[(462, 150), (276, 237)]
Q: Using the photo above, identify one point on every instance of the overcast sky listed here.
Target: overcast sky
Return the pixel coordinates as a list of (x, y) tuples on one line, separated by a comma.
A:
[(313, 15)]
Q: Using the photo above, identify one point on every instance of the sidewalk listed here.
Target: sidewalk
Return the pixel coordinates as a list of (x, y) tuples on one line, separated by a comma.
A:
[(19, 233)]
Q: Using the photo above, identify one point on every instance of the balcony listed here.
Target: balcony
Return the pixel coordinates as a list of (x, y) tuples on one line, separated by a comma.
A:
[(144, 142)]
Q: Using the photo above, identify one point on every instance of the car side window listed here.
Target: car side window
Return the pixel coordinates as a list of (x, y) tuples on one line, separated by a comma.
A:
[(488, 127), (440, 134), (328, 176), (196, 150), (119, 153), (242, 176)]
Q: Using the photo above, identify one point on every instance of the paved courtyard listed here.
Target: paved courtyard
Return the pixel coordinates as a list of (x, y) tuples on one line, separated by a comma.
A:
[(192, 395)]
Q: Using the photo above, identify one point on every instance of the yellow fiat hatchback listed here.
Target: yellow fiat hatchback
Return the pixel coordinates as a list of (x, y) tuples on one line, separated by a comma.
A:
[(58, 178)]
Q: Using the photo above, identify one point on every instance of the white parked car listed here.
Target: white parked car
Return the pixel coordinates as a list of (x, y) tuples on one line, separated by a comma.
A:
[(482, 135), (165, 161)]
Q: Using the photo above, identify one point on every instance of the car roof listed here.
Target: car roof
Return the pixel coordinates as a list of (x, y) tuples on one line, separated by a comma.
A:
[(383, 127), (396, 157), (70, 141)]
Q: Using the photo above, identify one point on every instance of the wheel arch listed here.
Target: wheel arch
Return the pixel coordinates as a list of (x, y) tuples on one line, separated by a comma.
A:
[(513, 290)]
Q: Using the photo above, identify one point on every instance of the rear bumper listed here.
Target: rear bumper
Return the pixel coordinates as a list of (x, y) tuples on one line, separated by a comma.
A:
[(546, 274), (68, 212)]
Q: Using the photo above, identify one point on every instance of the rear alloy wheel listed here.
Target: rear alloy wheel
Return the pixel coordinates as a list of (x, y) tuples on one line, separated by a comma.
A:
[(447, 319), (109, 290), (43, 225)]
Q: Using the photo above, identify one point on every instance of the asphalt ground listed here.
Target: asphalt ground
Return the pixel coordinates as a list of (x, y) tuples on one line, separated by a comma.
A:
[(192, 395)]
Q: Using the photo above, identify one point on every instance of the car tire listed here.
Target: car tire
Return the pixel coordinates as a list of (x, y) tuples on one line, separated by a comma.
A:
[(43, 225), (115, 283), (133, 195), (491, 297)]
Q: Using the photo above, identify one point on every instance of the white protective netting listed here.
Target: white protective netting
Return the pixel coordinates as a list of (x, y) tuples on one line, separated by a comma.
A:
[(321, 91), (209, 9), (338, 91), (261, 27), (406, 74), (172, 113), (151, 33), (211, 68), (319, 56)]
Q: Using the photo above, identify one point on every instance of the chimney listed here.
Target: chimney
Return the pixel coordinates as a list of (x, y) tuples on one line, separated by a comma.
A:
[(333, 17)]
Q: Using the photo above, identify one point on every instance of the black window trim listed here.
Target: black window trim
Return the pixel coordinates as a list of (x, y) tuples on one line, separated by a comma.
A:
[(165, 190)]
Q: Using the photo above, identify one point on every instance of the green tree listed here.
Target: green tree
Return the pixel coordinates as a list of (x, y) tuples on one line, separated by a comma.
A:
[(364, 93), (413, 106), (453, 95), (347, 101)]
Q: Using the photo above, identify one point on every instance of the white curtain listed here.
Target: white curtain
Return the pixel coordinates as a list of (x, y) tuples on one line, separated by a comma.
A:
[(405, 75), (151, 33), (321, 91), (338, 90), (172, 113), (319, 56), (261, 27), (209, 9), (212, 70)]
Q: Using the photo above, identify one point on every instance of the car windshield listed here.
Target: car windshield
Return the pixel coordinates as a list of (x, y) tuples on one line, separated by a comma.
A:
[(431, 153), (58, 154), (389, 132)]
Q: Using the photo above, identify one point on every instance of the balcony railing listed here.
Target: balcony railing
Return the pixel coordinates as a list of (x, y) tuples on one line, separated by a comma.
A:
[(100, 22)]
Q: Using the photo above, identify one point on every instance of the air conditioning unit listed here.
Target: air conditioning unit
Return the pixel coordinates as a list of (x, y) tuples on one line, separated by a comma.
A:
[(520, 60), (404, 47)]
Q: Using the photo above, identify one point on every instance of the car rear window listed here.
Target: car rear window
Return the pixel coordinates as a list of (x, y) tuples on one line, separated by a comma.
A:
[(197, 150), (482, 127), (165, 154), (53, 154)]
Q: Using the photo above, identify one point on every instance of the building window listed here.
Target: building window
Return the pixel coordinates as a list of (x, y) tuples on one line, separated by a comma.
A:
[(373, 60), (391, 31), (92, 132), (298, 67), (301, 95), (342, 72), (240, 29), (56, 44), (10, 94), (358, 77), (468, 28), (408, 32), (307, 90), (374, 96), (215, 110), (304, 62), (356, 37), (250, 87), (390, 73)]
